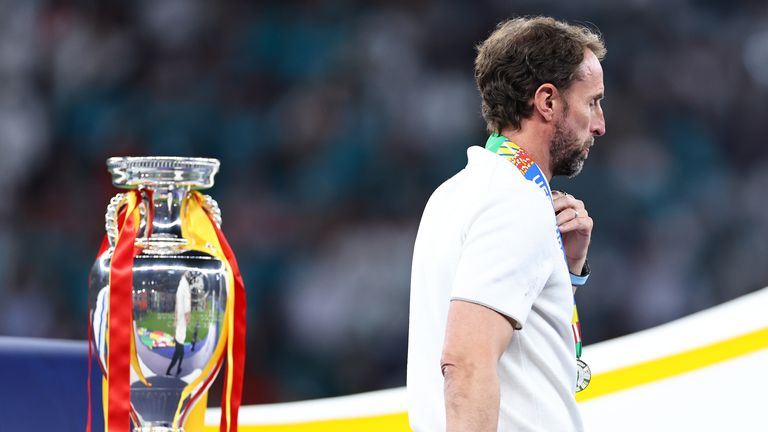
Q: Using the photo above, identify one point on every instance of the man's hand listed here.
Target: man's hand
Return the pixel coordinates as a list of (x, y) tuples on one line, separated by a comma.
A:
[(576, 228)]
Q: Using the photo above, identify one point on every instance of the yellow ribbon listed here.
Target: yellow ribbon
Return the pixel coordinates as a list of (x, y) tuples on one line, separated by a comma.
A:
[(197, 229)]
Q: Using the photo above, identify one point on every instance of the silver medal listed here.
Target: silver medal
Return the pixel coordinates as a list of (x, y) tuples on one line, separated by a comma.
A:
[(583, 375)]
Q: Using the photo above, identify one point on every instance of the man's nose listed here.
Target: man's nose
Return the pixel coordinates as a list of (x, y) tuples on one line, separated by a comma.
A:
[(598, 126)]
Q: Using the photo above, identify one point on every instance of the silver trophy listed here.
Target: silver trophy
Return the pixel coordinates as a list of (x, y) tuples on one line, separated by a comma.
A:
[(179, 290)]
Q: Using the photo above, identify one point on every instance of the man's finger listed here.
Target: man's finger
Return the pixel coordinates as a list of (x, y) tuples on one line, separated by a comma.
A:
[(565, 201), (582, 224), (565, 216), (570, 213)]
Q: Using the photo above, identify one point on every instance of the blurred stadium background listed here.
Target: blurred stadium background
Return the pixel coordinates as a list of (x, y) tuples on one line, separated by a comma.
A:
[(334, 121)]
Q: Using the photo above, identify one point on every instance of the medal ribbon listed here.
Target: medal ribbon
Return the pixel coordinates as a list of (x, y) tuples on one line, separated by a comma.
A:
[(528, 168)]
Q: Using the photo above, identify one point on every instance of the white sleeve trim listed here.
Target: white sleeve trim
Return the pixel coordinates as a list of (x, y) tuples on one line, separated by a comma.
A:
[(517, 325)]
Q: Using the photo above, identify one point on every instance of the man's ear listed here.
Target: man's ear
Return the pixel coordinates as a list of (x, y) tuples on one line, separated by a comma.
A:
[(545, 100)]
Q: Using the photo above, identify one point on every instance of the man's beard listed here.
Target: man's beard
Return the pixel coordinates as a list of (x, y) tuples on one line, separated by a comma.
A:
[(566, 154)]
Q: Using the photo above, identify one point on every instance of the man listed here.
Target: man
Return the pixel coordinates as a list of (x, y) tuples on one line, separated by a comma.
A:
[(182, 313), (491, 345)]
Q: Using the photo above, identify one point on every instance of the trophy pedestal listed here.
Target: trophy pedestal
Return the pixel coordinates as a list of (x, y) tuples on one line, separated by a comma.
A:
[(150, 428)]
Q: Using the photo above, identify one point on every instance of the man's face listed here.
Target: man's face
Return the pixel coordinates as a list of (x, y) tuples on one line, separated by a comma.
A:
[(580, 121)]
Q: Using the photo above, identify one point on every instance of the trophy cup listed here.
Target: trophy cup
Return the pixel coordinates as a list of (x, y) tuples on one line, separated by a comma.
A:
[(162, 296)]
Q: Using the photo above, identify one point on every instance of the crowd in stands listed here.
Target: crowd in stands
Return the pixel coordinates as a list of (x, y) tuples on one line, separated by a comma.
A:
[(334, 121)]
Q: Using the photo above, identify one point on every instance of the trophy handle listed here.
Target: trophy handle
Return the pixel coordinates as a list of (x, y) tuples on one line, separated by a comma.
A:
[(213, 208), (113, 210)]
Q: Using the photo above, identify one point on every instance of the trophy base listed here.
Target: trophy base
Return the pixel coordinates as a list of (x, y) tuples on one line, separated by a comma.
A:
[(156, 428)]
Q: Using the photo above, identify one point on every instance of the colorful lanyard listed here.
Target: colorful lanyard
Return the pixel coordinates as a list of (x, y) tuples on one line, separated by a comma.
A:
[(520, 159)]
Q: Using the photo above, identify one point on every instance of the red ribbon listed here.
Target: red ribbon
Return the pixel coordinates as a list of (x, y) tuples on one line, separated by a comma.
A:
[(238, 340), (90, 362), (120, 326), (104, 246)]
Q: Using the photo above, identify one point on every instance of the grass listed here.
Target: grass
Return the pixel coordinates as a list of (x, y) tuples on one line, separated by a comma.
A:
[(166, 322)]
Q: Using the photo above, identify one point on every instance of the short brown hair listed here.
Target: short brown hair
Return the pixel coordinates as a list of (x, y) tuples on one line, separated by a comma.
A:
[(522, 54)]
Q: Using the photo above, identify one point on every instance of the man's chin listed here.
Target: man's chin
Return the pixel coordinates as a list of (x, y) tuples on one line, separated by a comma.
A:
[(571, 169), (577, 169)]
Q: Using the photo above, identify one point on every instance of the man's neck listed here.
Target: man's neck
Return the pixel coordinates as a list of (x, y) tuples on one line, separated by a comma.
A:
[(535, 144)]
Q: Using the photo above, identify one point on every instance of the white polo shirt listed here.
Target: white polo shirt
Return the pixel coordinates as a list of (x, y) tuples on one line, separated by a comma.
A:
[(488, 236), (183, 307)]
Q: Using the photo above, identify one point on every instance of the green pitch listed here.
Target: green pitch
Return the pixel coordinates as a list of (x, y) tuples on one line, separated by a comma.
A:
[(166, 322)]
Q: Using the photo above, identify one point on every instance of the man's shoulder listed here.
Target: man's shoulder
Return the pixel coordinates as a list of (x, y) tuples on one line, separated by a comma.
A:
[(485, 182), (485, 172), (502, 184)]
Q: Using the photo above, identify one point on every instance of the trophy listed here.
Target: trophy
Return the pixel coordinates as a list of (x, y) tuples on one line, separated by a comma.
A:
[(166, 298)]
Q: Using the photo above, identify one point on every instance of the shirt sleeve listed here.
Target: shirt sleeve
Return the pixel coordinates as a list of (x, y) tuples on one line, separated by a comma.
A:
[(506, 258)]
